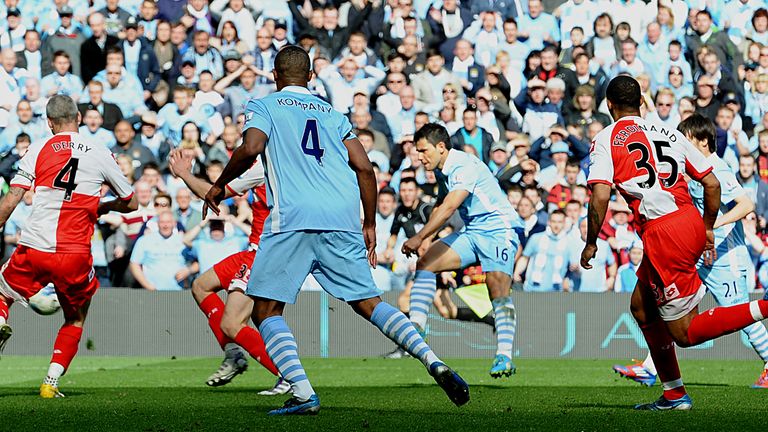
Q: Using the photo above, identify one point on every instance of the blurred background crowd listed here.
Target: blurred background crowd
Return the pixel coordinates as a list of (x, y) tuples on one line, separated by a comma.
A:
[(518, 83)]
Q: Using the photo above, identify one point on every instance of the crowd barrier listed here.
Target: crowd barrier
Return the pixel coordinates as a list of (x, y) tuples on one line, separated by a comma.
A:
[(126, 322)]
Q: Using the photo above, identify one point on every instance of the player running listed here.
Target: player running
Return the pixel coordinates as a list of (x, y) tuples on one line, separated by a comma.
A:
[(646, 162), (66, 174), (314, 224), (488, 236), (726, 279), (229, 322)]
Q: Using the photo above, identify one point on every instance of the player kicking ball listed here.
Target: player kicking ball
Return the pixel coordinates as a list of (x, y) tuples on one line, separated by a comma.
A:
[(229, 322), (726, 278), (646, 162), (317, 172), (55, 247), (488, 236)]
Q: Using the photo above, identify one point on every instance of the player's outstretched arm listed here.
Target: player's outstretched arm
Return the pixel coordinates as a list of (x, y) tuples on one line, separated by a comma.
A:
[(181, 167), (598, 204), (711, 206), (744, 206), (366, 180), (9, 203), (439, 216), (254, 142), (119, 205)]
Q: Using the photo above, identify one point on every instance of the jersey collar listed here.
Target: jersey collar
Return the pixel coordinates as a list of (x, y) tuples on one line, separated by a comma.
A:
[(296, 89), (450, 160)]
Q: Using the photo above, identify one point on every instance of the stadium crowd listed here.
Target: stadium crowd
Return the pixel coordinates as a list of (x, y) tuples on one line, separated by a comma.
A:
[(520, 87)]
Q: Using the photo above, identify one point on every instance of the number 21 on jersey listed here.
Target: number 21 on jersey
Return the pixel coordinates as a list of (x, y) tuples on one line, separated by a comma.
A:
[(310, 141)]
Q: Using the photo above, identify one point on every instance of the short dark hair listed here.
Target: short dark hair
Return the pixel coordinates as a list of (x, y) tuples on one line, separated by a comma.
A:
[(114, 49), (704, 12), (61, 53), (388, 191), (433, 52), (514, 187), (510, 20), (409, 180), (624, 92), (366, 132), (23, 137), (433, 133), (676, 43), (577, 28), (700, 128), (557, 212), (573, 163), (629, 40), (292, 61)]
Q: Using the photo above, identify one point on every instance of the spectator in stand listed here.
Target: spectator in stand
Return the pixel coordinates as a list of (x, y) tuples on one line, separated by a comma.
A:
[(652, 52), (31, 58), (361, 120), (598, 80), (470, 73), (14, 75), (546, 258), (110, 113), (13, 38), (16, 221), (68, 38), (541, 149), (576, 13), (723, 79), (626, 275), (706, 34), (125, 143), (116, 17), (630, 63), (167, 53), (9, 163), (91, 130), (61, 81), (550, 68), (603, 48), (538, 114), (204, 56), (342, 79), (402, 122), (706, 103), (157, 262), (225, 235), (174, 115), (119, 91), (230, 39), (148, 19), (674, 57), (153, 139), (223, 149), (537, 27), (385, 216), (187, 216), (26, 123), (448, 23), (518, 51), (93, 52), (332, 35), (140, 59), (676, 83), (487, 34), (585, 110), (665, 112), (601, 277), (749, 179), (472, 135), (429, 84)]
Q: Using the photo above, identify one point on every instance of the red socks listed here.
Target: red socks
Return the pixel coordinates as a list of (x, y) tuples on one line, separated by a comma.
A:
[(721, 321), (213, 308), (251, 340), (3, 309), (65, 347), (663, 353)]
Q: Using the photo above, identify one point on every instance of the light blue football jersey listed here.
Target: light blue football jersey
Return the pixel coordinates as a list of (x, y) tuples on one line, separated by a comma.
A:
[(486, 207), (729, 239), (310, 185)]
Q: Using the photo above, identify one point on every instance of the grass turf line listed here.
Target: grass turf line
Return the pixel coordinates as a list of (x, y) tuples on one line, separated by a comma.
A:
[(160, 394)]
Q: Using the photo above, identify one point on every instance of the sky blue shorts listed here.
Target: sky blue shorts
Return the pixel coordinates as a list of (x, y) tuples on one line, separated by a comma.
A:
[(495, 249), (337, 259), (728, 286)]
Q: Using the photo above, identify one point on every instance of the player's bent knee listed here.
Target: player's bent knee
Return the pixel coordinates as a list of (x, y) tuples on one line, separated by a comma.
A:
[(231, 327), (365, 307)]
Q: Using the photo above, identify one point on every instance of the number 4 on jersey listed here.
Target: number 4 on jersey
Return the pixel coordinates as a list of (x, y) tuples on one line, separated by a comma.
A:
[(310, 144), (65, 179)]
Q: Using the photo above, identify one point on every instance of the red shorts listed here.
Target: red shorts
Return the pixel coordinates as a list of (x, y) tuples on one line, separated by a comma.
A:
[(673, 245), (234, 270), (72, 275)]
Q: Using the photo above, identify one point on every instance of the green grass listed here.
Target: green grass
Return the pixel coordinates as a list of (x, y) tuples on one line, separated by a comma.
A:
[(161, 394)]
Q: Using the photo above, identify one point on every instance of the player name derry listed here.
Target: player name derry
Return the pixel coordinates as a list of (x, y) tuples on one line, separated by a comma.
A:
[(622, 135), (304, 105), (69, 145)]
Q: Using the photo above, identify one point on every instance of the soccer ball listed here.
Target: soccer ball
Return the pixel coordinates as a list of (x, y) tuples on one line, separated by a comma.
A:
[(45, 302)]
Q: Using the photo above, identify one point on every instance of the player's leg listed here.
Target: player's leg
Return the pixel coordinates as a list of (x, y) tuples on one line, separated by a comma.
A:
[(695, 328), (271, 286), (234, 324), (499, 284), (66, 345), (204, 291), (729, 287), (439, 257), (281, 347), (17, 283), (343, 271), (662, 348), (396, 326), (5, 329)]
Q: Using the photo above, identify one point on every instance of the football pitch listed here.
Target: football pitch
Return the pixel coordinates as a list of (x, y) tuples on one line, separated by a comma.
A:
[(165, 394)]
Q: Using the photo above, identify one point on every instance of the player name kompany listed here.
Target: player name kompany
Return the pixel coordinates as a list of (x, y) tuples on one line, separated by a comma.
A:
[(622, 135), (304, 105), (69, 145)]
